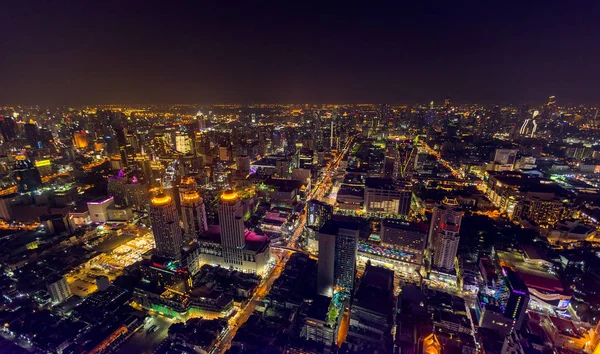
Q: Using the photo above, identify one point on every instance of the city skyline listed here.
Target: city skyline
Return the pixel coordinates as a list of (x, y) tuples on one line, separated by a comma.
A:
[(429, 182)]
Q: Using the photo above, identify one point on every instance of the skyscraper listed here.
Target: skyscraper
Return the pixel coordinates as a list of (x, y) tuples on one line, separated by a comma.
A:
[(183, 142), (317, 213), (201, 118), (193, 214), (31, 132), (337, 257), (517, 299), (231, 221), (165, 226), (372, 312), (444, 233), (27, 176)]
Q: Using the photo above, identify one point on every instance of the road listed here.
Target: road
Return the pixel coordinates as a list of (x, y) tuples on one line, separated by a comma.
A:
[(242, 316)]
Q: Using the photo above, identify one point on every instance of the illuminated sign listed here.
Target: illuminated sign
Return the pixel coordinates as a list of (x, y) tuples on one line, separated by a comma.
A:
[(42, 163)]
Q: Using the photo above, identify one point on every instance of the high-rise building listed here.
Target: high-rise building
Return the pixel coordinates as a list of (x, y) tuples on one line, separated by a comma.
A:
[(243, 164), (183, 143), (59, 289), (529, 126), (27, 175), (386, 196), (231, 222), (202, 121), (317, 213), (165, 226), (517, 299), (8, 126), (193, 214), (444, 233), (337, 257), (80, 140), (31, 133), (372, 313)]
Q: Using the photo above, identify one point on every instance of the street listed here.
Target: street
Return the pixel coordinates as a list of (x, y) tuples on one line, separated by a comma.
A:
[(242, 316)]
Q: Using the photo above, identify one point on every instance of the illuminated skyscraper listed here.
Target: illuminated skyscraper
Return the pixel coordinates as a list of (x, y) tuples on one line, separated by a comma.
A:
[(193, 214), (530, 125), (231, 221), (337, 257), (444, 233), (183, 143), (165, 226), (80, 140), (201, 118), (317, 213)]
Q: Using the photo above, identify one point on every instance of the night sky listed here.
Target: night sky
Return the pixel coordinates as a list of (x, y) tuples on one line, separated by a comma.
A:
[(87, 52)]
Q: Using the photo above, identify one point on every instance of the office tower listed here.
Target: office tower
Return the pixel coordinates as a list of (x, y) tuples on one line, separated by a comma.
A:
[(231, 222), (165, 226), (80, 140), (318, 326), (116, 187), (193, 214), (331, 135), (243, 164), (337, 257), (27, 176), (31, 133), (8, 126), (136, 194), (58, 288), (202, 122), (183, 143), (517, 299), (529, 126), (372, 312), (386, 196), (317, 213), (388, 167), (444, 233)]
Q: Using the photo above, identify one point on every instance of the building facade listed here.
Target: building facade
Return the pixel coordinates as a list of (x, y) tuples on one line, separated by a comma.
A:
[(165, 226), (444, 234)]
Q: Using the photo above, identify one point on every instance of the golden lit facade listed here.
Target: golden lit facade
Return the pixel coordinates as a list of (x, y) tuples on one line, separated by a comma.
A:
[(165, 226), (231, 221), (193, 214)]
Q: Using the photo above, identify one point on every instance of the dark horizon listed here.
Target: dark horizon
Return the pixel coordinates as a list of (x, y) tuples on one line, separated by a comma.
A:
[(137, 52)]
